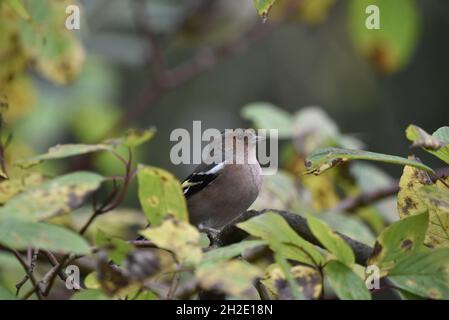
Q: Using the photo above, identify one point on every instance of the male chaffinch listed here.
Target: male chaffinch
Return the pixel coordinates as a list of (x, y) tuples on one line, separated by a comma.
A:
[(227, 182)]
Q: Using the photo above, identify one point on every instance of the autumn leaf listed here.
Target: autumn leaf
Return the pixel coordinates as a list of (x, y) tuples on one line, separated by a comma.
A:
[(308, 279), (178, 237), (413, 200)]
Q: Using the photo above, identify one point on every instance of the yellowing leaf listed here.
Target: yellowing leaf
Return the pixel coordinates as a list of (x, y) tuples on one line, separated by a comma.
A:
[(55, 51), (62, 151), (235, 278), (425, 274), (160, 195), (21, 96), (308, 280), (411, 201), (263, 7), (392, 45), (133, 137), (178, 237), (53, 197), (10, 188)]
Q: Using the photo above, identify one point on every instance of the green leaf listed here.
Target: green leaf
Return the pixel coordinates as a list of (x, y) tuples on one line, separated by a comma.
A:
[(350, 226), (331, 241), (321, 160), (89, 294), (62, 151), (19, 234), (272, 228), (345, 282), (417, 194), (263, 7), (160, 195), (117, 249), (267, 116), (392, 45), (400, 239), (6, 295), (54, 197), (231, 251), (179, 237), (425, 274), (235, 278), (17, 6), (436, 144)]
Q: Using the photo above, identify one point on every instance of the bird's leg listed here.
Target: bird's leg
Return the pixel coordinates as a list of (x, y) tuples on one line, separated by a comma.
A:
[(210, 232)]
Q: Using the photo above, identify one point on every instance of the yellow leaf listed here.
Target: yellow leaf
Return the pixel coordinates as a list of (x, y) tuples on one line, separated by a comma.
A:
[(179, 237), (308, 279), (411, 202), (235, 278)]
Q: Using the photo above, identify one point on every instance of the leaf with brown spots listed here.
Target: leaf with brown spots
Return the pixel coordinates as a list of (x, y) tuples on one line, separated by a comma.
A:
[(179, 237), (308, 280), (400, 239), (160, 195), (414, 197), (63, 151), (133, 137), (425, 274), (263, 7), (54, 197), (436, 144), (436, 197), (234, 278)]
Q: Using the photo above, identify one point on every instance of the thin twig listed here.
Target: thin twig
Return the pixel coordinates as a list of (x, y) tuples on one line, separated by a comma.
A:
[(32, 264), (30, 274), (166, 79)]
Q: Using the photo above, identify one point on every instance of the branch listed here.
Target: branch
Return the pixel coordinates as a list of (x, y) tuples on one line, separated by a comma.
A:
[(166, 79), (28, 272), (32, 264), (143, 24), (232, 234), (352, 203)]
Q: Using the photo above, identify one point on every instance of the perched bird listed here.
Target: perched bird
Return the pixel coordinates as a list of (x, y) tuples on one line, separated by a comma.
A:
[(226, 183)]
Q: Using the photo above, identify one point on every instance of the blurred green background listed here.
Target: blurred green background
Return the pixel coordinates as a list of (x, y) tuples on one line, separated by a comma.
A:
[(311, 57)]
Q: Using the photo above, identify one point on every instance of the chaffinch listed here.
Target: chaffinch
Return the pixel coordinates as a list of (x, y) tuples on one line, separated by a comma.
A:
[(228, 181)]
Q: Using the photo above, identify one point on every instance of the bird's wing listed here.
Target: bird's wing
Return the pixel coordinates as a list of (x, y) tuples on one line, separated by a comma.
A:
[(201, 177)]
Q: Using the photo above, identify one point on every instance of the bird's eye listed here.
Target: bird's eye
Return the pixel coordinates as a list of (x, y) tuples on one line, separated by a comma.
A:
[(308, 164)]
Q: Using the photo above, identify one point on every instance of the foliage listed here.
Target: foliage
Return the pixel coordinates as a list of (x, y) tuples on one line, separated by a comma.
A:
[(56, 209)]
